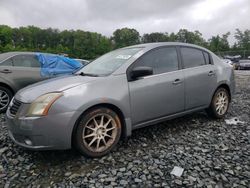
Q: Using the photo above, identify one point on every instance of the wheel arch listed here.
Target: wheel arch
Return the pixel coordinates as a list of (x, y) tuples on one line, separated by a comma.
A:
[(8, 87), (225, 86)]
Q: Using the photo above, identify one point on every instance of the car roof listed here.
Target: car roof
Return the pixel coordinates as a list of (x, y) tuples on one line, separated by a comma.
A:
[(4, 56), (159, 44)]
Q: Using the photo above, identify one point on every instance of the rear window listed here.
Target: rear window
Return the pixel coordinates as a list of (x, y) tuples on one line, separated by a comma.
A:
[(26, 61), (192, 57)]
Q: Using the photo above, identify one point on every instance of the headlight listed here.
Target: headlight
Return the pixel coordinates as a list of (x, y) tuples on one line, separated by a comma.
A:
[(42, 104)]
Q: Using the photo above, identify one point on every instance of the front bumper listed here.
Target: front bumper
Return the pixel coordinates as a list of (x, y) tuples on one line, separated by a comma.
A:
[(42, 133)]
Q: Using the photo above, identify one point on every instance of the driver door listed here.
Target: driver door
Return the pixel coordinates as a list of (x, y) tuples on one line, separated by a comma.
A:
[(160, 94)]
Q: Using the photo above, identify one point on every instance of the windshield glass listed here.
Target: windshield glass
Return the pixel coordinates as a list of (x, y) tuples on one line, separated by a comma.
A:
[(109, 62)]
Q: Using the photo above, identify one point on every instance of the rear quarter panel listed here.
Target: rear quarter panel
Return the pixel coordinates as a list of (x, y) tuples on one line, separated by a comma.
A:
[(225, 73)]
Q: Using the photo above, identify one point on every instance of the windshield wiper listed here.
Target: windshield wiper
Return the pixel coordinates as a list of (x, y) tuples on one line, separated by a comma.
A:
[(87, 74)]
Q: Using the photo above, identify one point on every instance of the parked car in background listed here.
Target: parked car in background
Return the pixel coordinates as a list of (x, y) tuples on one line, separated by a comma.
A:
[(234, 58), (17, 70), (243, 64), (228, 61), (123, 90), (83, 61)]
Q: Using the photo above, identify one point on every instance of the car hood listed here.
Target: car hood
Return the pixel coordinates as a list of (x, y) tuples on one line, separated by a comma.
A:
[(30, 93)]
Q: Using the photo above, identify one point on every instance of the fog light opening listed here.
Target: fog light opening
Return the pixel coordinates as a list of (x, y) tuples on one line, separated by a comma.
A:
[(28, 141)]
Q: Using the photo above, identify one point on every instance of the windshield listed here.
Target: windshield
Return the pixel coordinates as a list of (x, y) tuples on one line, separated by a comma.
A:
[(109, 62)]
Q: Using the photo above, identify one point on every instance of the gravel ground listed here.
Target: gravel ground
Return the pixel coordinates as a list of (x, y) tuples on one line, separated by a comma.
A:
[(211, 152)]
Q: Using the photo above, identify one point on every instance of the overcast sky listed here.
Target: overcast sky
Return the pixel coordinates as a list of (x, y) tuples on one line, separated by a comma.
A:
[(210, 17)]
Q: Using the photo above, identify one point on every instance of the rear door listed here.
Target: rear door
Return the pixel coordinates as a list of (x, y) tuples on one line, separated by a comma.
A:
[(160, 94), (25, 70), (6, 70), (200, 77)]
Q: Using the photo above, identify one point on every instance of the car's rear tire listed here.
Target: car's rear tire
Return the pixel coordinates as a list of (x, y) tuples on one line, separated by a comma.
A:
[(219, 104), (5, 98), (97, 132)]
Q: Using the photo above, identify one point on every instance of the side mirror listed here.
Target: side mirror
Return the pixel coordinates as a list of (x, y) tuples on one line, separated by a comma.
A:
[(140, 72)]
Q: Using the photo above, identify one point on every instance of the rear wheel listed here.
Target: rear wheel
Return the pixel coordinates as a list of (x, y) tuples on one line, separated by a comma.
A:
[(219, 104), (98, 132), (5, 97)]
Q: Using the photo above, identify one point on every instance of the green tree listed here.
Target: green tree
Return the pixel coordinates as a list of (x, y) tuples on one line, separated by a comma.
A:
[(22, 38), (186, 36), (173, 37), (155, 37), (243, 39), (219, 43), (5, 37), (89, 45), (125, 37), (38, 38)]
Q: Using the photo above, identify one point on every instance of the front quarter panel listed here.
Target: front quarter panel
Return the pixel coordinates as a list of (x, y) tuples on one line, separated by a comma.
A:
[(109, 90)]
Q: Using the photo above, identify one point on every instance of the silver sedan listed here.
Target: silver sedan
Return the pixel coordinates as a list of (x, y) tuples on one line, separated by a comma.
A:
[(123, 90)]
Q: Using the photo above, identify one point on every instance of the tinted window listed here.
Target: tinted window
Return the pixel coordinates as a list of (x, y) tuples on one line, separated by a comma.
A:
[(192, 57), (161, 60), (206, 56), (26, 61), (7, 62)]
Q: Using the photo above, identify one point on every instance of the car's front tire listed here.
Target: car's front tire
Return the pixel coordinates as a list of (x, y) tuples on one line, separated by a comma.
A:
[(5, 98), (219, 104), (97, 132)]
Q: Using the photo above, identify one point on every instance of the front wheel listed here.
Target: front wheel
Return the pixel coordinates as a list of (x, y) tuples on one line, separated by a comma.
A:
[(219, 104), (98, 132)]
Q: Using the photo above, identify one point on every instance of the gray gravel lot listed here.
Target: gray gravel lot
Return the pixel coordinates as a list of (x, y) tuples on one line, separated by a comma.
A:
[(212, 153)]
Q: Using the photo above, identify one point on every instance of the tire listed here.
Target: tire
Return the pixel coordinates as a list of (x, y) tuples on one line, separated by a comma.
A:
[(5, 98), (219, 104), (98, 125)]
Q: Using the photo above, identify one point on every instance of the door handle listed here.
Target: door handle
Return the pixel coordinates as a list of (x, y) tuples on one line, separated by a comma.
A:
[(177, 81), (211, 73), (6, 71)]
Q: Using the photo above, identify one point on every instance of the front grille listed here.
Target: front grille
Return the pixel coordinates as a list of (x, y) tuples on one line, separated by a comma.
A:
[(15, 106)]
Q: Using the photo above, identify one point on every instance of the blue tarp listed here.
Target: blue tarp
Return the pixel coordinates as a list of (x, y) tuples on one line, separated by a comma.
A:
[(53, 65)]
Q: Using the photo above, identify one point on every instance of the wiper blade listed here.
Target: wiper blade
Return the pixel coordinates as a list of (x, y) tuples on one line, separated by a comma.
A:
[(87, 74)]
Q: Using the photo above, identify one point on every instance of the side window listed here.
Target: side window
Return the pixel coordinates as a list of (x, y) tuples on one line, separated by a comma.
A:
[(161, 60), (192, 57), (207, 58), (7, 62), (26, 61)]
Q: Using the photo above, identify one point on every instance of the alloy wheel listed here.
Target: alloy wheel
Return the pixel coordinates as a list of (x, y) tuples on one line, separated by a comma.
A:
[(221, 102), (4, 99), (99, 132)]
